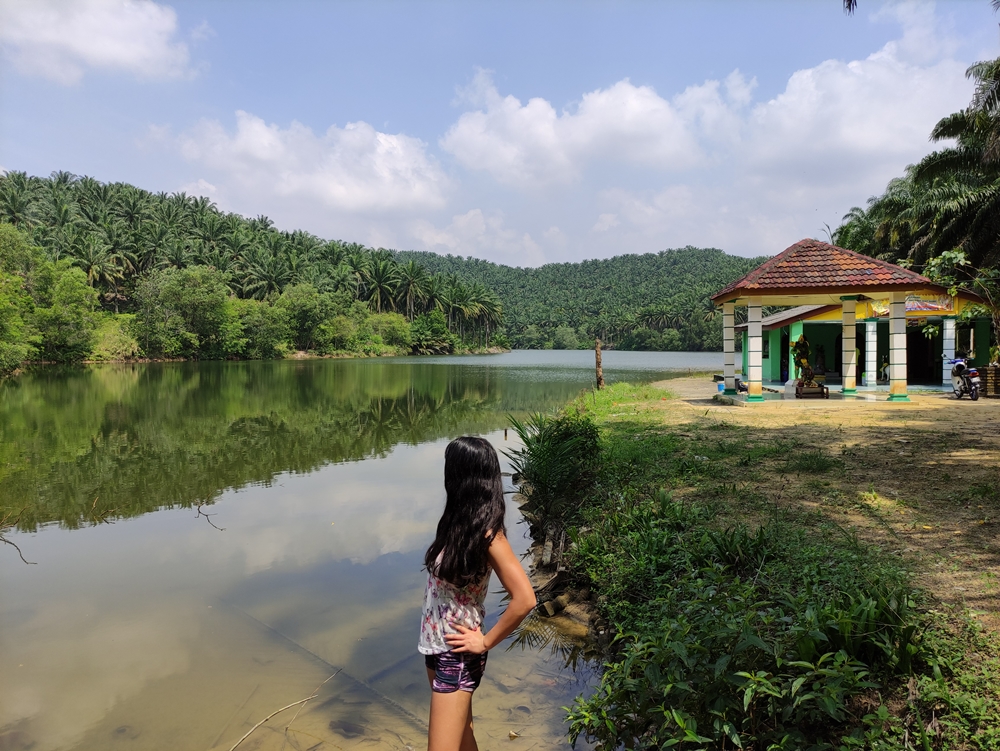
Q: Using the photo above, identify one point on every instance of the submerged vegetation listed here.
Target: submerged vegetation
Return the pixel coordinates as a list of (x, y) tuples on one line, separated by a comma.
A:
[(739, 622)]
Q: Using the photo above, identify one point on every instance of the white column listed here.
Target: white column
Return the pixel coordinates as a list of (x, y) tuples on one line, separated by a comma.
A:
[(755, 385), (849, 354), (897, 347), (729, 345), (871, 352), (947, 348)]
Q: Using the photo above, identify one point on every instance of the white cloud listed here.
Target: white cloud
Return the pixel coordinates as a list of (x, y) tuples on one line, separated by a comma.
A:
[(712, 165), (716, 168), (852, 121), (200, 187), (485, 235), (202, 32), (555, 237), (624, 169), (354, 169), (533, 144), (605, 222), (61, 39)]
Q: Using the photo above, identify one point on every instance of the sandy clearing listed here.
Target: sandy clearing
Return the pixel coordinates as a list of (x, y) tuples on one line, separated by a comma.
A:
[(921, 478)]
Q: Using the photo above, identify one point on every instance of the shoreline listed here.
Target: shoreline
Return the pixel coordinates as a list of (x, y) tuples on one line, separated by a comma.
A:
[(298, 355)]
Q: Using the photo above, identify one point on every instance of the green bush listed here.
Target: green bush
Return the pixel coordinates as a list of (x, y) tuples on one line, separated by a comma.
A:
[(67, 327), (113, 339), (429, 335), (556, 462), (643, 339), (186, 313), (307, 309), (335, 334), (265, 329), (564, 337), (393, 328), (754, 638), (15, 342)]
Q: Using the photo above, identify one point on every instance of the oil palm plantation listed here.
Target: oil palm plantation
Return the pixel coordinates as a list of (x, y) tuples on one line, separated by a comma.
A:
[(412, 287), (382, 282)]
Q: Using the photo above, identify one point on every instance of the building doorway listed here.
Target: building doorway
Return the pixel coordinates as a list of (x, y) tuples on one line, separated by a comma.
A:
[(923, 358)]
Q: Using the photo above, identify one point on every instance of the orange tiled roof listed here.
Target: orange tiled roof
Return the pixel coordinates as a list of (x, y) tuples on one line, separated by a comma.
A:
[(811, 264)]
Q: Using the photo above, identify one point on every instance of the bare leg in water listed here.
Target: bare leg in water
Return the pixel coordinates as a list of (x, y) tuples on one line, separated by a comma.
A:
[(450, 727)]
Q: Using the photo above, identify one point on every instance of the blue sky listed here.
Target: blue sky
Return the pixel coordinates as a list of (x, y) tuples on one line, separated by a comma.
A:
[(519, 132)]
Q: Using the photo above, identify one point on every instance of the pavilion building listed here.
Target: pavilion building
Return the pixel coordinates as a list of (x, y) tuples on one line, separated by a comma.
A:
[(863, 319)]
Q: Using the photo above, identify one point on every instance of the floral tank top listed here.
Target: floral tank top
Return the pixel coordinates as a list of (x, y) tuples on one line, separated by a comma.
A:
[(444, 604)]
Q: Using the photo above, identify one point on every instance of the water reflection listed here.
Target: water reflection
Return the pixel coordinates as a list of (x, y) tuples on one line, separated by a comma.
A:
[(122, 436), (161, 631)]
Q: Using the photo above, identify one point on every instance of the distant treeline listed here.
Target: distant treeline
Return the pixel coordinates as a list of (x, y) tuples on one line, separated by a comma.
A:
[(176, 278), (108, 271), (654, 301)]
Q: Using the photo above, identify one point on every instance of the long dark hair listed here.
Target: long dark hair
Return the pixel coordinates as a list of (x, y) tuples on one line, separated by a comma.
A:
[(473, 512)]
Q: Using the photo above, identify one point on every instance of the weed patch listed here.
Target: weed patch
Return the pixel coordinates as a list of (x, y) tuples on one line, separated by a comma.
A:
[(811, 462)]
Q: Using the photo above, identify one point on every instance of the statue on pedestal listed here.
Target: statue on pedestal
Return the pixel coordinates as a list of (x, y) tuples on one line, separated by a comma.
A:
[(801, 350)]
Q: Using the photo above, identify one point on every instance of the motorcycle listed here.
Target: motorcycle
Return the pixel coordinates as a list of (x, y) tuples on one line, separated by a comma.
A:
[(964, 378)]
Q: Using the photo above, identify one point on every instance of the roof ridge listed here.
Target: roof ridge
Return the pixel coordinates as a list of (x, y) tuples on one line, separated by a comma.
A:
[(813, 263)]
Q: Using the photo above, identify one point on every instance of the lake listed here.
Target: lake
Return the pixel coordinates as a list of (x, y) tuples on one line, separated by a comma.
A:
[(211, 541)]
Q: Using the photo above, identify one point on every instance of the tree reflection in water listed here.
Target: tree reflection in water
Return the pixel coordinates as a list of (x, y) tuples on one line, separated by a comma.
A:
[(83, 446)]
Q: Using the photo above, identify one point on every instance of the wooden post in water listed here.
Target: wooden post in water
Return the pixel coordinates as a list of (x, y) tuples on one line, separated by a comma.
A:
[(597, 358)]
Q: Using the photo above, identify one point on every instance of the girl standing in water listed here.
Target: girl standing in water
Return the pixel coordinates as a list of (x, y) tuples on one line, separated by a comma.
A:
[(471, 543)]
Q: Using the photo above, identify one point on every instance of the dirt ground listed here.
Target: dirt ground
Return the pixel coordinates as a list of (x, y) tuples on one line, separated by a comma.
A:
[(920, 478)]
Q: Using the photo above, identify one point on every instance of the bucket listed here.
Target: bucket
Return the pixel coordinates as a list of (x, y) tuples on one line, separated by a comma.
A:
[(722, 386)]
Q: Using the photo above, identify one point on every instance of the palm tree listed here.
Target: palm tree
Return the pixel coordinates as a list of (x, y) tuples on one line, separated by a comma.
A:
[(102, 267), (383, 280), (174, 254), (658, 317), (412, 287), (490, 310), (16, 198), (265, 273), (963, 200), (357, 261), (436, 294), (133, 208), (333, 252), (261, 223)]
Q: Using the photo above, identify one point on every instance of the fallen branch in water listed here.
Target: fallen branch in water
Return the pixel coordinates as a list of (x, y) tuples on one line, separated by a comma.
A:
[(302, 702), (279, 711), (315, 693), (6, 522), (208, 518), (100, 517)]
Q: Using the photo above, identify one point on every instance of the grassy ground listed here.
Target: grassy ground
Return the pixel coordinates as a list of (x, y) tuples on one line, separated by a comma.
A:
[(800, 521)]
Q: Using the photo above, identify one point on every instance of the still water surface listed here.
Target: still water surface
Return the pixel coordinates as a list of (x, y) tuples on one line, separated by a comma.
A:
[(145, 624)]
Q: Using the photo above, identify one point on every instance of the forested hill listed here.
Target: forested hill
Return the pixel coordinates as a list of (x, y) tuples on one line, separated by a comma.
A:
[(92, 270), (649, 301)]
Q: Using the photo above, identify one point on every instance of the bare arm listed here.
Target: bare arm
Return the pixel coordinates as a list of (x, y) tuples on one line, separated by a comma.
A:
[(522, 600)]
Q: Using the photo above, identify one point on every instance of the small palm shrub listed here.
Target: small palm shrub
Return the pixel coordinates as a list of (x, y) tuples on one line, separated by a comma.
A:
[(556, 464)]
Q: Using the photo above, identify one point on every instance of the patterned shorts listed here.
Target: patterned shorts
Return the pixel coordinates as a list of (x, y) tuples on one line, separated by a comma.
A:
[(456, 671)]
